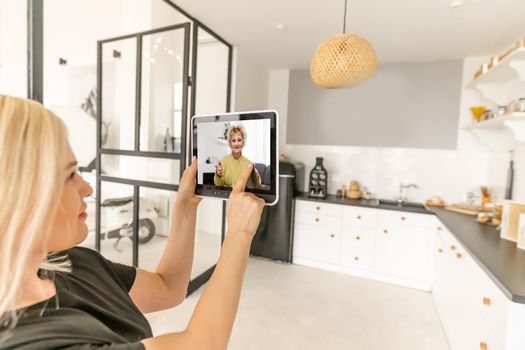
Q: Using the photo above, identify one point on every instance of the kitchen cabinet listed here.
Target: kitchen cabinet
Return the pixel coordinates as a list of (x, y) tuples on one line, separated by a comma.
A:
[(320, 228), (402, 251), (385, 245), (472, 309)]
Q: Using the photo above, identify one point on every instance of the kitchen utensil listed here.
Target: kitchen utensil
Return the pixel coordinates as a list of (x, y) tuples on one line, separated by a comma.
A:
[(510, 221), (354, 192), (477, 112), (468, 209)]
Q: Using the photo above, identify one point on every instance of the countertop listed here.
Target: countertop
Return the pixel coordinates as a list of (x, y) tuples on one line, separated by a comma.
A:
[(503, 262)]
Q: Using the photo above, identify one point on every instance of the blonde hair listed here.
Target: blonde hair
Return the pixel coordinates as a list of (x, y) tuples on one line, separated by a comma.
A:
[(32, 143), (236, 129)]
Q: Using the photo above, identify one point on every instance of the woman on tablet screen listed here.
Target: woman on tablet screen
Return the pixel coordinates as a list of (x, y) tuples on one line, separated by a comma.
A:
[(54, 295), (228, 169)]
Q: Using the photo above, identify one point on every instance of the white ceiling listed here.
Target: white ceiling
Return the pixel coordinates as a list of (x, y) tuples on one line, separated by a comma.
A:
[(400, 30)]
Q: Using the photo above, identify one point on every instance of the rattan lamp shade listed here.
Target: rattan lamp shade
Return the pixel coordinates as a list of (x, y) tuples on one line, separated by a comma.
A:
[(343, 60)]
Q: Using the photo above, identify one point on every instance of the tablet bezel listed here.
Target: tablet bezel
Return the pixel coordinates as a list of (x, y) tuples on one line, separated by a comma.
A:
[(224, 192)]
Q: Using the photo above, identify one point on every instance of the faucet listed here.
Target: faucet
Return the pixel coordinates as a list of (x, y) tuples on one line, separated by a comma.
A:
[(402, 197)]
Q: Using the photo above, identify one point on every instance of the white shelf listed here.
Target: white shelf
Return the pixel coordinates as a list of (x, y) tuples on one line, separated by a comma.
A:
[(509, 68), (505, 81), (500, 133)]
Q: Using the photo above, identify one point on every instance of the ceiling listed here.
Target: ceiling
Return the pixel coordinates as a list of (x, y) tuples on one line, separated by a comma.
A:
[(400, 30)]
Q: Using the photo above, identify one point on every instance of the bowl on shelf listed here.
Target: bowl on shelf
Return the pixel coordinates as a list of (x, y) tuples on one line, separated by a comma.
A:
[(477, 112)]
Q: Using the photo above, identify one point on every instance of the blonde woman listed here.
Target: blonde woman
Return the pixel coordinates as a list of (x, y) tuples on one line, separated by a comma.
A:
[(56, 295), (229, 168)]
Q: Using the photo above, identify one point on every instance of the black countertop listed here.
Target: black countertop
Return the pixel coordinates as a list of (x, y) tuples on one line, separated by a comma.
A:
[(503, 262), (370, 203)]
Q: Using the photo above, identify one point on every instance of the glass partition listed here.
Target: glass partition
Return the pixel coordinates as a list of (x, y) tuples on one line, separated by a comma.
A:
[(119, 91), (155, 213), (162, 91), (116, 219), (158, 170)]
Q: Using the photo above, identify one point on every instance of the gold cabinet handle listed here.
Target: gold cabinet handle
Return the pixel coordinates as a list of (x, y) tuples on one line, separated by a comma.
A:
[(356, 258), (403, 218), (439, 228), (358, 238), (459, 255), (358, 217), (385, 231), (483, 346), (317, 208), (332, 235), (452, 247), (316, 219), (486, 301), (440, 250)]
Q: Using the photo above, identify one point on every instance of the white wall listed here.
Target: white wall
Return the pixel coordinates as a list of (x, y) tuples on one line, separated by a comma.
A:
[(250, 83), (278, 99), (13, 47), (448, 174)]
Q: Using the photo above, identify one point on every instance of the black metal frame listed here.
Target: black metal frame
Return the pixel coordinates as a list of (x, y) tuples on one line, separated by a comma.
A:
[(35, 52), (36, 90), (137, 152)]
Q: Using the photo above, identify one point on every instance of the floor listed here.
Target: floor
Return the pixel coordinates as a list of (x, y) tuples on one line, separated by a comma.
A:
[(294, 307)]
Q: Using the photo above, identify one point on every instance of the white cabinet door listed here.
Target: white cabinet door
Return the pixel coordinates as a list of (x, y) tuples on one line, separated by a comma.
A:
[(357, 247), (317, 243), (447, 294), (455, 288), (402, 251)]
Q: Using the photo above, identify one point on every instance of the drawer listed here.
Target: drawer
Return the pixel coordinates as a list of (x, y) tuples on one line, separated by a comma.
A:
[(404, 218), (318, 220), (483, 339), (320, 244), (357, 238), (489, 300), (357, 258), (359, 216), (318, 208)]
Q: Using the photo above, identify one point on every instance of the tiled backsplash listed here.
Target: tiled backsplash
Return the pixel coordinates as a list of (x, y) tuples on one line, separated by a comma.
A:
[(448, 174)]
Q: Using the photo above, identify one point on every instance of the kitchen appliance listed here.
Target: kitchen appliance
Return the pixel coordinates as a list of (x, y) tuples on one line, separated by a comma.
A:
[(510, 220), (273, 239)]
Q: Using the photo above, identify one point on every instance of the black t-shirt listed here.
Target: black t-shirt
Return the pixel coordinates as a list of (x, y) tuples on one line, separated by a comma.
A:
[(91, 310)]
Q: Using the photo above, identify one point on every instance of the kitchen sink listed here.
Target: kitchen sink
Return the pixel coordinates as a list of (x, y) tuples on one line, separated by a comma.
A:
[(392, 202)]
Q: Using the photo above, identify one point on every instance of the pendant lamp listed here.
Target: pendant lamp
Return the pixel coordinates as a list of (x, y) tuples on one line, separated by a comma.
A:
[(344, 60)]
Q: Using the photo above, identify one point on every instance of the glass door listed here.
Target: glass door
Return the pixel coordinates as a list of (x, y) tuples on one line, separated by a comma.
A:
[(143, 89)]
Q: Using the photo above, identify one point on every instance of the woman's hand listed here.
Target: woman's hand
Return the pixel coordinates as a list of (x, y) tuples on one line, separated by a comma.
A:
[(218, 169), (244, 210), (186, 194)]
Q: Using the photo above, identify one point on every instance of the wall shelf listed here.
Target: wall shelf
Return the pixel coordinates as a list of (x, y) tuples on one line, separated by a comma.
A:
[(505, 81), (500, 133)]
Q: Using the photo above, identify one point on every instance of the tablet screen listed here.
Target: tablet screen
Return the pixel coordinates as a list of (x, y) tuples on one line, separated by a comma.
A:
[(226, 144)]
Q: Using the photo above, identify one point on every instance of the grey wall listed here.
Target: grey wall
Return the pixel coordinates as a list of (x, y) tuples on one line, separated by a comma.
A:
[(413, 105)]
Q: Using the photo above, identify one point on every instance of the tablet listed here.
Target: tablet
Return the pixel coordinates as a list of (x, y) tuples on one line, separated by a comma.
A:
[(227, 143)]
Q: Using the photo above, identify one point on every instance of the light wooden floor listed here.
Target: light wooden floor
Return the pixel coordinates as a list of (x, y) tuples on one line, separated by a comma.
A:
[(293, 307)]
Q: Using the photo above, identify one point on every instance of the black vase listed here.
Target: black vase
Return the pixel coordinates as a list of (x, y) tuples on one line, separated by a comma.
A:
[(318, 185)]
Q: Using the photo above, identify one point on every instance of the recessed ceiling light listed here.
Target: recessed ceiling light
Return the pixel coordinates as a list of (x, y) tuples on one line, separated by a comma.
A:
[(280, 27), (456, 3)]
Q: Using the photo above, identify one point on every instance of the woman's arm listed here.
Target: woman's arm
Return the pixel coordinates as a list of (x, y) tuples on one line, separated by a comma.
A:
[(168, 285), (212, 321)]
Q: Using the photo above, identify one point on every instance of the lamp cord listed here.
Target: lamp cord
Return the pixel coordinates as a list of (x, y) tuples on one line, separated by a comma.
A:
[(344, 21)]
